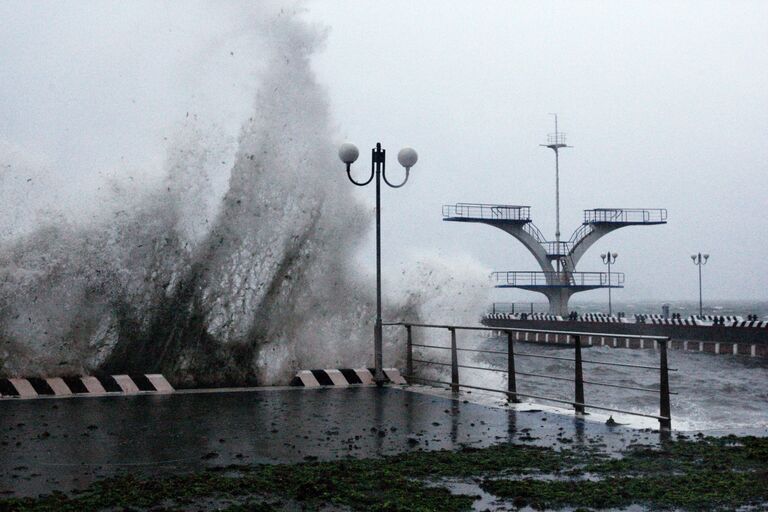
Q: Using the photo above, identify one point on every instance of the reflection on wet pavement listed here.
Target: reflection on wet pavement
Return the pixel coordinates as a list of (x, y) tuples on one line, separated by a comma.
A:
[(67, 443)]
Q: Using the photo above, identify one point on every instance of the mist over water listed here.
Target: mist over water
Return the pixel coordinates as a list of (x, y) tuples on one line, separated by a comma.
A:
[(208, 285)]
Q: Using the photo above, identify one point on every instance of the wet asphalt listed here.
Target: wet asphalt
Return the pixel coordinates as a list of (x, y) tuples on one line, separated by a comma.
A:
[(65, 444)]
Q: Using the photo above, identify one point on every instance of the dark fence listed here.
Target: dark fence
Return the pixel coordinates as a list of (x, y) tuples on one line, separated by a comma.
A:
[(579, 403)]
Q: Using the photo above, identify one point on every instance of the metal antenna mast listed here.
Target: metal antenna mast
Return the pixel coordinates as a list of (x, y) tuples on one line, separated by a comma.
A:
[(556, 141)]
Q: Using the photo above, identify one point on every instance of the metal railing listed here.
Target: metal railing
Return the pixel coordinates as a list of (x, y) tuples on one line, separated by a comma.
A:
[(519, 307), (556, 138), (487, 211), (580, 233), (535, 232), (664, 417), (633, 215), (538, 278), (558, 248), (553, 248)]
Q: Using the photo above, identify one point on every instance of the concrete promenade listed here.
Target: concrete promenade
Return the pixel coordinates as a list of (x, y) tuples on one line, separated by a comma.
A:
[(65, 444)]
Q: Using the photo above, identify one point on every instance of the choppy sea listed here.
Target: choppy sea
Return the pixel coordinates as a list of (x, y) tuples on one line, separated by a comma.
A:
[(713, 392)]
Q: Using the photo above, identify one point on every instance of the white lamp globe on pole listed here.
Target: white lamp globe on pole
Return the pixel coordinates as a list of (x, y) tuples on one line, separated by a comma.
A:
[(348, 153), (407, 158)]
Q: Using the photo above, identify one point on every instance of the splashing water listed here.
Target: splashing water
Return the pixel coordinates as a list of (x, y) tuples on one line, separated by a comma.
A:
[(239, 289)]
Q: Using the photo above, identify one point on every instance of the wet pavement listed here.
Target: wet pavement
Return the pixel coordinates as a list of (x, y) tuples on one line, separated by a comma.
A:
[(64, 444)]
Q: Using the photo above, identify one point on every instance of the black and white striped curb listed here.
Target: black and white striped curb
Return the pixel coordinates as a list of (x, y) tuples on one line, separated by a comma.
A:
[(646, 317), (705, 321), (343, 377), (69, 386), (677, 321), (600, 317), (524, 316), (727, 318), (752, 323)]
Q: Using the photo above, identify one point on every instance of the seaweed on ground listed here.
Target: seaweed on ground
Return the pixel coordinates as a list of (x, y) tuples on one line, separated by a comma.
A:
[(708, 474)]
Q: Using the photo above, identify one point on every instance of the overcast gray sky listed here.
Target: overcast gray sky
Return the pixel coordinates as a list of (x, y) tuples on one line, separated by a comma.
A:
[(664, 103)]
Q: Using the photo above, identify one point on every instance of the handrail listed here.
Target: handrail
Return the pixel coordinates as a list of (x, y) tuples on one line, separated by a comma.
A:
[(589, 361), (557, 248), (542, 376), (578, 403), (518, 329), (629, 215), (535, 232), (538, 356), (539, 278), (487, 211), (518, 307), (591, 406), (580, 233)]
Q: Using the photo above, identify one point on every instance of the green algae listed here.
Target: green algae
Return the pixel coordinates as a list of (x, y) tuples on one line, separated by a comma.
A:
[(708, 474), (700, 491)]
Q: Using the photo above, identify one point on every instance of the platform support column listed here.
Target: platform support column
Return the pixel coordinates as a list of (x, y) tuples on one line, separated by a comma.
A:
[(558, 301)]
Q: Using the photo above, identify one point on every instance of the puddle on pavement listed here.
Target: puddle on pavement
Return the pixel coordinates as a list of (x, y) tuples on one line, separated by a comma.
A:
[(65, 444)]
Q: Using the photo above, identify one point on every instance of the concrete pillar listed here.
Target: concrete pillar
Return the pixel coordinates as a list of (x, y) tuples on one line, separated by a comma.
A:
[(558, 300)]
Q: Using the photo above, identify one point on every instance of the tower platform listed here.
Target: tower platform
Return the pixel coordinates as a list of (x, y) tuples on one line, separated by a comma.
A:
[(487, 213), (626, 216), (574, 281)]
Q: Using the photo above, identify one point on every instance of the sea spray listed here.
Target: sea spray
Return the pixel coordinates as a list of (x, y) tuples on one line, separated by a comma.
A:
[(442, 291), (239, 286)]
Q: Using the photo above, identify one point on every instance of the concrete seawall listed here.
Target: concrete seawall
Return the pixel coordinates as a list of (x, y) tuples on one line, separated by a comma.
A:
[(718, 339)]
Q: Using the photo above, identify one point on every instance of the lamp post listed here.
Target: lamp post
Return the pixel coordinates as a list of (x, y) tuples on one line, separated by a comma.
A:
[(407, 157), (609, 259), (699, 260)]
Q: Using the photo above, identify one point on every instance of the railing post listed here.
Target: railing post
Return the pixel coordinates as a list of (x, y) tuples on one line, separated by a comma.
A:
[(454, 362), (579, 377), (409, 351), (664, 407), (511, 381)]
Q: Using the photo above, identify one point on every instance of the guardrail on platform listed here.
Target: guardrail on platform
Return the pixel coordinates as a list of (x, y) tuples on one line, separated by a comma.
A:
[(487, 211), (519, 307), (664, 417), (629, 215), (538, 278)]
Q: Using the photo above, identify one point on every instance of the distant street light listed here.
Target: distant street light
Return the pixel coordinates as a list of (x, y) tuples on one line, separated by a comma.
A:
[(609, 259), (407, 157), (700, 260)]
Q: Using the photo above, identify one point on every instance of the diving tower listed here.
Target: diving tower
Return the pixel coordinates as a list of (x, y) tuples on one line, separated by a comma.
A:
[(558, 279), (557, 285)]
